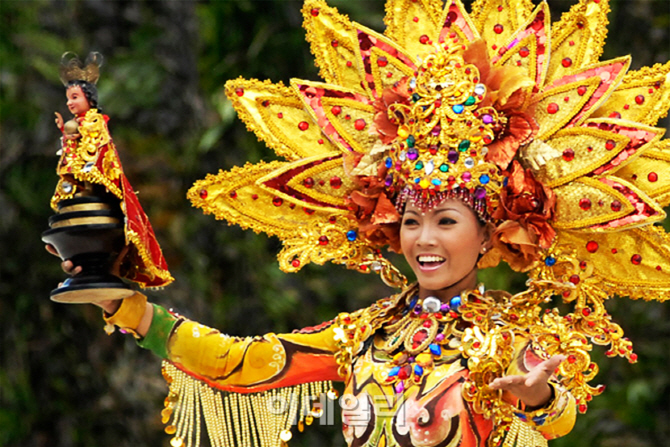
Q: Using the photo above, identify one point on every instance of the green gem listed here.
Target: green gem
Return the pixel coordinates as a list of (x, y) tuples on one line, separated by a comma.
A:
[(464, 145), (419, 165), (410, 141), (444, 168), (470, 101), (416, 97)]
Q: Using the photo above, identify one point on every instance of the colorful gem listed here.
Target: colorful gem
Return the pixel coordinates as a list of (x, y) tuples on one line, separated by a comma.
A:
[(585, 204), (430, 167), (351, 235), (480, 89), (388, 163), (452, 156), (616, 205), (498, 29), (480, 193), (552, 108), (413, 154), (484, 179), (568, 154), (203, 192), (335, 182), (470, 101), (419, 165), (652, 177), (444, 167), (487, 119), (591, 246), (458, 108), (550, 261), (455, 302), (436, 182), (636, 259), (277, 201), (308, 182), (431, 304), (303, 125), (435, 349), (360, 124), (524, 52), (639, 100), (464, 145), (566, 62), (469, 162), (410, 141)]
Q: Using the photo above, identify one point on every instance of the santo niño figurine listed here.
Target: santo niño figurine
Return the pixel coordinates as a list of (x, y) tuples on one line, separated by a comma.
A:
[(99, 216)]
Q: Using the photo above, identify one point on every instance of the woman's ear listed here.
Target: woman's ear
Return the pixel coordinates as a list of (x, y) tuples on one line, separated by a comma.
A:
[(487, 237)]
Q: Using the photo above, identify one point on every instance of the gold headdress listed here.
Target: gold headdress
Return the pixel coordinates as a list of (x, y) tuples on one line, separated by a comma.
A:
[(515, 116), (73, 69)]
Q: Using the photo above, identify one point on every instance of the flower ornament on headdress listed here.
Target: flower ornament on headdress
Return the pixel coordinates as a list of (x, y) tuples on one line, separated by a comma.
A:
[(498, 108)]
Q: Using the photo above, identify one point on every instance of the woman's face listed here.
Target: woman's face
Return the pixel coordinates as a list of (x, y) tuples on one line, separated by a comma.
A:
[(442, 247), (76, 100)]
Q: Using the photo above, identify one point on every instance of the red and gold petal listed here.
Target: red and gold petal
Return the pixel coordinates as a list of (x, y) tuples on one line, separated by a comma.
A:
[(497, 20), (457, 28), (318, 181), (626, 263), (334, 42), (642, 96), (606, 204), (534, 35), (598, 147), (343, 115), (237, 197), (570, 100), (275, 114), (408, 20), (651, 172), (577, 40)]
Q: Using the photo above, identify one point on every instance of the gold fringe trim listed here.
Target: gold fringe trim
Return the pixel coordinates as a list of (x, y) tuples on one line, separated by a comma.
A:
[(522, 435), (231, 419)]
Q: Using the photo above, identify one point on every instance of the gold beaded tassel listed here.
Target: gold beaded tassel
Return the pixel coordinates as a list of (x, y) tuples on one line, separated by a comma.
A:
[(256, 419), (522, 435)]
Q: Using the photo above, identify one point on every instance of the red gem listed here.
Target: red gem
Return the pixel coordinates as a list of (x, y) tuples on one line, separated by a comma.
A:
[(616, 115), (591, 246), (524, 52), (552, 108), (415, 19), (349, 63), (610, 144), (239, 91), (308, 182), (320, 141), (498, 28), (315, 12), (382, 62), (580, 25), (424, 39), (636, 259), (616, 205), (332, 219), (566, 62), (419, 337), (658, 267), (334, 43), (323, 240), (639, 99), (254, 196), (574, 279), (572, 359), (233, 195), (303, 125), (277, 201), (203, 193), (582, 265), (568, 155), (308, 210), (295, 263), (585, 204), (581, 90), (280, 115), (652, 177), (513, 317), (335, 182), (586, 311), (336, 110), (614, 251), (633, 358), (360, 124), (427, 324), (265, 103)]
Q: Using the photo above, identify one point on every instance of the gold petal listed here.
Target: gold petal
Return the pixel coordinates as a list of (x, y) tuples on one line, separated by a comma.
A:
[(651, 172), (642, 96), (351, 126), (589, 149), (275, 113), (602, 205), (509, 14), (631, 263), (580, 36), (407, 20)]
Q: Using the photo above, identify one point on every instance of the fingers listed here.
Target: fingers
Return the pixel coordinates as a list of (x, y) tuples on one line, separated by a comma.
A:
[(507, 382), (69, 268), (51, 249)]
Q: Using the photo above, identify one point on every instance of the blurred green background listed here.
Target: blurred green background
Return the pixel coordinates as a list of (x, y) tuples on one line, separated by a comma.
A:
[(63, 382)]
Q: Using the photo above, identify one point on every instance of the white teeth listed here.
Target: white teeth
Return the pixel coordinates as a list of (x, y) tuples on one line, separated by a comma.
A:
[(430, 258)]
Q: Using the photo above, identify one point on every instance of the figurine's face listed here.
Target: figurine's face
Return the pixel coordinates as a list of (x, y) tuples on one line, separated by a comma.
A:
[(76, 100), (442, 247)]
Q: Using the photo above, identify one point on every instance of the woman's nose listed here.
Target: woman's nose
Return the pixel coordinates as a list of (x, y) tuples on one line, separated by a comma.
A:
[(426, 236)]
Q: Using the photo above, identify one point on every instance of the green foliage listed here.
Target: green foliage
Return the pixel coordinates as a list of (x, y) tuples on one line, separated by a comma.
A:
[(63, 382)]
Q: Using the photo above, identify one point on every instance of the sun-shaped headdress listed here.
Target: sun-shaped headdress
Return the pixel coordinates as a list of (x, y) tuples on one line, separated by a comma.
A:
[(512, 115)]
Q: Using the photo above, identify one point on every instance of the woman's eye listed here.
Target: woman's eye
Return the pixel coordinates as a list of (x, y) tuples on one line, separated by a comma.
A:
[(407, 222), (447, 221)]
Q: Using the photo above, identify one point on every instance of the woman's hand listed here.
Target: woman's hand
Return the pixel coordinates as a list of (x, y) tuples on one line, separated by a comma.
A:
[(109, 306), (532, 389)]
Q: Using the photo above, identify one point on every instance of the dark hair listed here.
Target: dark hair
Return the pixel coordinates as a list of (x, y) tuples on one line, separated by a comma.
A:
[(90, 91)]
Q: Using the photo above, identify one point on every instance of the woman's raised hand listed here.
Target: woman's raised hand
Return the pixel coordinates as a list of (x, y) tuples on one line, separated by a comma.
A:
[(532, 388)]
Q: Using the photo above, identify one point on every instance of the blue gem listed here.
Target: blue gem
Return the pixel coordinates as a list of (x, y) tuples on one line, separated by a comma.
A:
[(413, 302), (435, 349), (455, 302), (505, 181), (394, 371), (417, 180), (549, 261), (418, 370), (484, 179), (389, 162), (458, 108), (436, 182), (351, 235)]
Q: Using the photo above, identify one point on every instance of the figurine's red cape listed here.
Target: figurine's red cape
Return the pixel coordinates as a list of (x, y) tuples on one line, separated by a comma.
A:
[(93, 158)]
